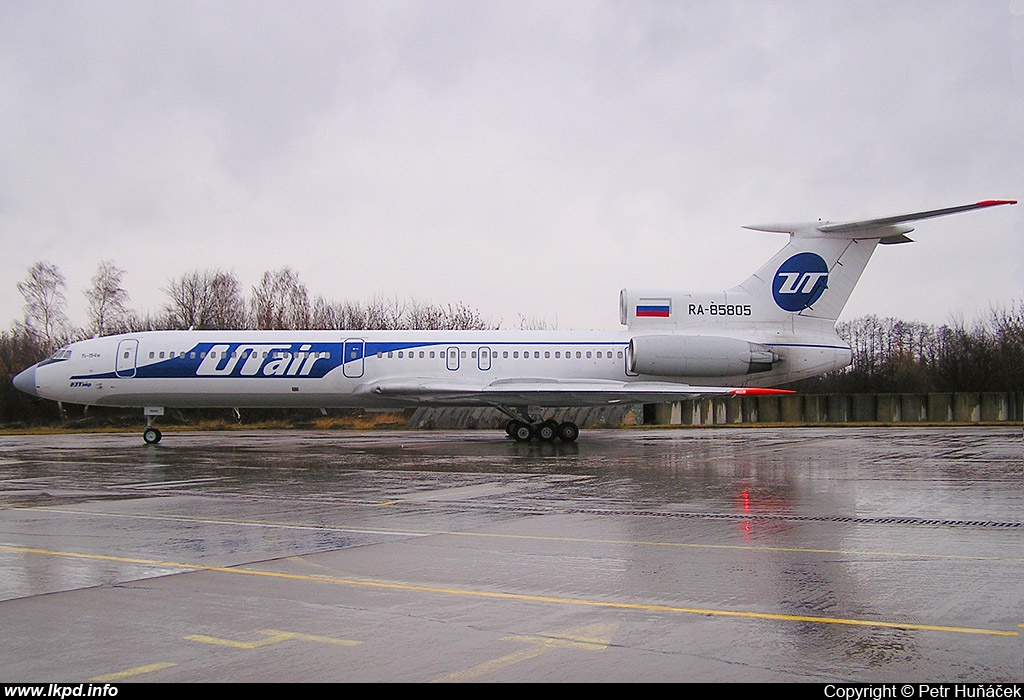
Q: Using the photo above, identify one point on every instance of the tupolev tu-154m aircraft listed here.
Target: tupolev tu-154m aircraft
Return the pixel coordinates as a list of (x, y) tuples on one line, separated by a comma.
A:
[(778, 326)]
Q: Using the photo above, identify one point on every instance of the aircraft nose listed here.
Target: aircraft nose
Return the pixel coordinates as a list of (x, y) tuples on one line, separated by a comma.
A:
[(26, 381)]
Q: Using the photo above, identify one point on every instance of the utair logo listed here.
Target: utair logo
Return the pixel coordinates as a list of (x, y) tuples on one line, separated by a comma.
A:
[(800, 281)]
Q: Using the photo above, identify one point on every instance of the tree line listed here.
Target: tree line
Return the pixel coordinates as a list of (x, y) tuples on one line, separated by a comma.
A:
[(895, 356)]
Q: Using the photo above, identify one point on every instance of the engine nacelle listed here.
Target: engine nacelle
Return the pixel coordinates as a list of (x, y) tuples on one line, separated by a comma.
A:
[(697, 356)]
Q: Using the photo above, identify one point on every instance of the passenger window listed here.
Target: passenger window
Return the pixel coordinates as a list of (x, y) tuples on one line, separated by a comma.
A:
[(150, 355)]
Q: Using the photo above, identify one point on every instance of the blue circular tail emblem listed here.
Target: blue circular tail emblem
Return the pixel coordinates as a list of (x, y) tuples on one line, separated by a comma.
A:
[(800, 281)]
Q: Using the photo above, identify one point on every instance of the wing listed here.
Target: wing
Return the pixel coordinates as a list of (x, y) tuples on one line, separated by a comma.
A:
[(543, 392)]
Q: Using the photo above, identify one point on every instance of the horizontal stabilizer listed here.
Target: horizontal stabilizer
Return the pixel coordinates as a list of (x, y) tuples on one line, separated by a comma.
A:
[(887, 228), (867, 224)]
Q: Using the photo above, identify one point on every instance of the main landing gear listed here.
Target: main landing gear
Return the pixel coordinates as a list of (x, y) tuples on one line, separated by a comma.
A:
[(523, 427)]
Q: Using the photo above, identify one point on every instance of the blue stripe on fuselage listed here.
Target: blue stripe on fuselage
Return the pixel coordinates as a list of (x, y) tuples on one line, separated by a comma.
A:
[(310, 360)]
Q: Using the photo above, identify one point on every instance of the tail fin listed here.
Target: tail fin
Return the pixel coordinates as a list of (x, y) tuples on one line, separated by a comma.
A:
[(814, 275)]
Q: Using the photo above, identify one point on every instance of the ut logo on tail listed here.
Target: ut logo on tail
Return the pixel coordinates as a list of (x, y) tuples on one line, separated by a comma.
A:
[(800, 281)]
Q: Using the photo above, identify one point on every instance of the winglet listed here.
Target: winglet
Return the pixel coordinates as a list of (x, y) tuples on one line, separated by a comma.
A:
[(758, 391)]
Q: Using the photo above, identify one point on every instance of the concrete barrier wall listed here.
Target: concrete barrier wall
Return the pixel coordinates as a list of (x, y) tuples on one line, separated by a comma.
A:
[(736, 410), (986, 407)]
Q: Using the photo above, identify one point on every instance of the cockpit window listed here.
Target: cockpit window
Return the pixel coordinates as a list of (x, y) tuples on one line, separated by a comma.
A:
[(59, 356)]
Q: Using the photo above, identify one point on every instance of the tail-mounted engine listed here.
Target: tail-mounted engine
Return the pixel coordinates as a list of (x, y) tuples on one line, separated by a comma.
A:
[(697, 356)]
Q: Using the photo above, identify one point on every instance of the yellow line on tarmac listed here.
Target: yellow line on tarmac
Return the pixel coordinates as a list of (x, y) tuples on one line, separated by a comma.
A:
[(272, 637), (592, 637), (496, 595), (138, 670), (489, 667)]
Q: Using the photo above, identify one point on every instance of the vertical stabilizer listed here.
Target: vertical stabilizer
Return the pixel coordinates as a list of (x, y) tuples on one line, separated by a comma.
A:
[(813, 276)]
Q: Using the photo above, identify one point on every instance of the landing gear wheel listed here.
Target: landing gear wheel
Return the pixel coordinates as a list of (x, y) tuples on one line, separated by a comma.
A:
[(510, 427), (568, 432), (151, 436), (547, 431), (523, 432)]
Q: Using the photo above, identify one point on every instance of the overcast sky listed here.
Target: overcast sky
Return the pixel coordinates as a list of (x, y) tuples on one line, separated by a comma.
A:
[(524, 158)]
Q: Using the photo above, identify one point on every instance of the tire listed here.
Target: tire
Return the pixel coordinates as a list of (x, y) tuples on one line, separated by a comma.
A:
[(151, 436), (547, 431), (568, 432), (522, 433)]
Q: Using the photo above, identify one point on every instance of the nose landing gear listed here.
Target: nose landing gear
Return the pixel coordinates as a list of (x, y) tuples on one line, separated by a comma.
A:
[(151, 435)]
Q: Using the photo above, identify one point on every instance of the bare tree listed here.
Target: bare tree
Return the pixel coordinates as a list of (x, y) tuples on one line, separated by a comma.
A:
[(108, 301), (207, 299), (280, 302), (534, 323), (46, 304), (228, 309)]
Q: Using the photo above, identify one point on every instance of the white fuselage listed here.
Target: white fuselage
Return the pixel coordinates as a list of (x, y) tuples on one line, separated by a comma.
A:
[(361, 368)]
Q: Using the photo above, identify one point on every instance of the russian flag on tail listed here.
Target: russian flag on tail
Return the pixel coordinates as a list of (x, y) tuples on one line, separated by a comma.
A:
[(654, 308)]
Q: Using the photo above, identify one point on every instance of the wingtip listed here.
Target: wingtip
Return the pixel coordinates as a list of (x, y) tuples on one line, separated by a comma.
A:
[(759, 391), (995, 202)]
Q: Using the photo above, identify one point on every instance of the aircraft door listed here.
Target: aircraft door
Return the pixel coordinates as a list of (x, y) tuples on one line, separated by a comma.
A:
[(127, 353), (483, 359), (353, 353), (451, 358)]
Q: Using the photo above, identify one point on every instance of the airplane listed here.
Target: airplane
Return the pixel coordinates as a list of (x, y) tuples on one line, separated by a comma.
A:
[(777, 326)]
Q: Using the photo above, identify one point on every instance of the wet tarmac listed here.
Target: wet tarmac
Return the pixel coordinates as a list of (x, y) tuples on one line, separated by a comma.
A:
[(800, 554)]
